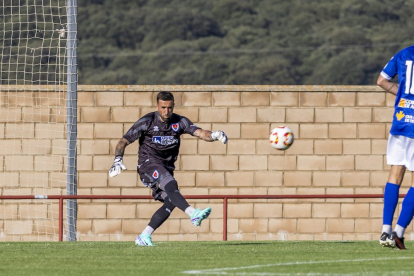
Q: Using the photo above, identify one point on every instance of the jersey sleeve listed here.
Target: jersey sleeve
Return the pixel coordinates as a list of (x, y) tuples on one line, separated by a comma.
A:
[(137, 130), (187, 126), (391, 69)]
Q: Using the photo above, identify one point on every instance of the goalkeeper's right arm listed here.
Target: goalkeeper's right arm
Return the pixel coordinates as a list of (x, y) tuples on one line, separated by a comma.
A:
[(117, 167)]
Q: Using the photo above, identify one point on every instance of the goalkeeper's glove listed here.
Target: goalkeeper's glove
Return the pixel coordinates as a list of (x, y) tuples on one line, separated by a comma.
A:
[(117, 167), (219, 135)]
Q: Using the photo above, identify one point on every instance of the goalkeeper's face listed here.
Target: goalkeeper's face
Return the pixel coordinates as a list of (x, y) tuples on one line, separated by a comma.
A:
[(165, 109)]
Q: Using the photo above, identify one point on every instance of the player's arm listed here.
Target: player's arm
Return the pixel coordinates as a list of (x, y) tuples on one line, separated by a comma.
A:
[(203, 134), (210, 136), (132, 135), (120, 147), (206, 135), (117, 167), (387, 85)]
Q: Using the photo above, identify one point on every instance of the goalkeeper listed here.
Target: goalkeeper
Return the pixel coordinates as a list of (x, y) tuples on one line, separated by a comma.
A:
[(159, 143)]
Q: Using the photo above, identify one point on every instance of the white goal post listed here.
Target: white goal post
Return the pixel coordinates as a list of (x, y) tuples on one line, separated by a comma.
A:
[(38, 117)]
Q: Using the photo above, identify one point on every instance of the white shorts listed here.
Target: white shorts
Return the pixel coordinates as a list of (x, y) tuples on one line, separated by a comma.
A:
[(400, 151)]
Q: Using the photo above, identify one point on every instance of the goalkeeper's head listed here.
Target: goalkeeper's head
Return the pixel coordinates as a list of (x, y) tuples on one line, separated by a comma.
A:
[(165, 105)]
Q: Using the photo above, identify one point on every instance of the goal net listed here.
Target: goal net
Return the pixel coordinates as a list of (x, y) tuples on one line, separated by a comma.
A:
[(36, 122)]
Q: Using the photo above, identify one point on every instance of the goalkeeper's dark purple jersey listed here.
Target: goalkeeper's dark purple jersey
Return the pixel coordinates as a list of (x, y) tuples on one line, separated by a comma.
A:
[(159, 140)]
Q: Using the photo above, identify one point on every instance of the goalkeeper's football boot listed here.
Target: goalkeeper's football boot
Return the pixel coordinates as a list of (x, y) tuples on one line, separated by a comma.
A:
[(199, 215), (383, 239), (143, 240), (395, 241)]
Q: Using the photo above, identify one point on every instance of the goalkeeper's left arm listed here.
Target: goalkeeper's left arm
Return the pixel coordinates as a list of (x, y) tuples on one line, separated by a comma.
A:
[(211, 136), (117, 167)]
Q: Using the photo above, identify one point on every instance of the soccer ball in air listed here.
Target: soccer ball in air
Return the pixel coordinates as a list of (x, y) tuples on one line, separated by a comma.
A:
[(281, 138)]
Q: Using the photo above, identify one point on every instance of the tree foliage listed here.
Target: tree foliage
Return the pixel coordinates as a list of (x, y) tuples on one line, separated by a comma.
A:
[(237, 41)]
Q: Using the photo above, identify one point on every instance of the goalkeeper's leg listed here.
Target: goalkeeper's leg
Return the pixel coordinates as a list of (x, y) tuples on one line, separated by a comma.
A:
[(161, 215), (160, 179), (170, 186)]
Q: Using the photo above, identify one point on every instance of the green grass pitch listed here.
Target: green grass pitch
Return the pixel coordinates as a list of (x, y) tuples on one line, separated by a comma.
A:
[(262, 258)]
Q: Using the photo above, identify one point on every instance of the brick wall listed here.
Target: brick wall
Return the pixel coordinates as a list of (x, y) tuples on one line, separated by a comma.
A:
[(340, 143)]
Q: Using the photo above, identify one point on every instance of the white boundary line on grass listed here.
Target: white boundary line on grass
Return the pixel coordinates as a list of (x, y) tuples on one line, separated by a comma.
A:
[(377, 273), (223, 271)]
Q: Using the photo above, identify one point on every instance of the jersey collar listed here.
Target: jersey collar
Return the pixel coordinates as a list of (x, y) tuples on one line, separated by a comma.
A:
[(165, 123)]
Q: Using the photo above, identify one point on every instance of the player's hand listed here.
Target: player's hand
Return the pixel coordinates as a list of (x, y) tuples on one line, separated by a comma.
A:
[(117, 167), (220, 136)]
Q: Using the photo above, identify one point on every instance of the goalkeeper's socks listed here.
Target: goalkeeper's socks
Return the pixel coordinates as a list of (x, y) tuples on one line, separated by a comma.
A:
[(407, 210), (189, 211), (176, 198), (161, 215), (148, 231), (390, 202)]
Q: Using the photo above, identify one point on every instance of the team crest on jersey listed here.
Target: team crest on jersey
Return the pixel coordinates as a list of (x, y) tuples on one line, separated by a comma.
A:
[(155, 174), (156, 128), (175, 127)]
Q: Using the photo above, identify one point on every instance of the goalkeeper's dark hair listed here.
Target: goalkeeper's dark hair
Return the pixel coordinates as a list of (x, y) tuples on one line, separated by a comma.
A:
[(165, 96)]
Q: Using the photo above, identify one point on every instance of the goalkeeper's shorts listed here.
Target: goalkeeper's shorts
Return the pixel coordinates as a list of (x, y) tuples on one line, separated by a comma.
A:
[(400, 151), (152, 174)]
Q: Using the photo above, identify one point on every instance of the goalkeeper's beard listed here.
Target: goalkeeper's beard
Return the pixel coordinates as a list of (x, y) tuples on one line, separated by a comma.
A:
[(165, 119)]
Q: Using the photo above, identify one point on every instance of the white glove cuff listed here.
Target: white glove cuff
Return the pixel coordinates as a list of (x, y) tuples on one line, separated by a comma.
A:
[(118, 159), (213, 138)]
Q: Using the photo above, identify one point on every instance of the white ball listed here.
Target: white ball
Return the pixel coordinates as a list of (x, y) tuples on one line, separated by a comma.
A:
[(281, 138)]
